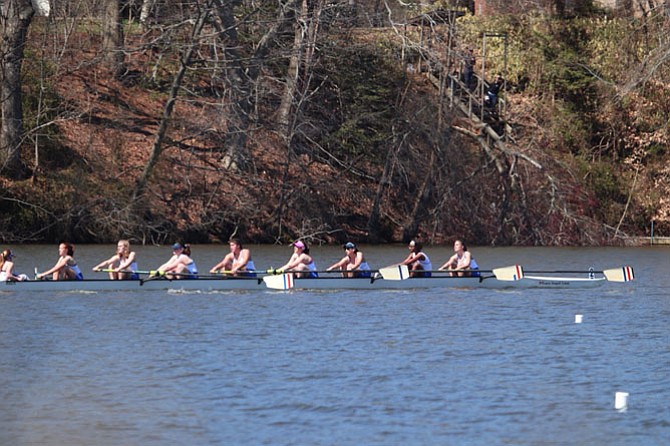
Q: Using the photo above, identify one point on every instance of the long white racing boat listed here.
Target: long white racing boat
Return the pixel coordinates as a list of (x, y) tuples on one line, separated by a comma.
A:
[(396, 277)]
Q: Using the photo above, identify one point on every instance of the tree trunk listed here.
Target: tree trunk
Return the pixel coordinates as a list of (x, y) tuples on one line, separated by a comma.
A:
[(16, 16), (293, 72), (374, 227), (42, 7), (416, 215), (304, 43), (112, 38), (145, 12)]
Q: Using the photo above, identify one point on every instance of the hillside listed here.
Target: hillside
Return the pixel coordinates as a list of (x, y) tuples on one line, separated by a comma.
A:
[(375, 157)]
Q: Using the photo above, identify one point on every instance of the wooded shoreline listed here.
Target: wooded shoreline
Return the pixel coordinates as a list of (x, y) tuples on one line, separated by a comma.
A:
[(247, 128)]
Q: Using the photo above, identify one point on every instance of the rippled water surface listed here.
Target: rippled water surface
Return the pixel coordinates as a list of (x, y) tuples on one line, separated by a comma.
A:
[(413, 367)]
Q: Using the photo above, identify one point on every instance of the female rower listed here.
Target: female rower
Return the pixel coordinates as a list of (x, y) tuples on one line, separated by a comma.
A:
[(180, 265), (353, 264), (300, 262), (417, 261), (460, 261), (237, 262), (66, 267), (7, 268), (122, 265)]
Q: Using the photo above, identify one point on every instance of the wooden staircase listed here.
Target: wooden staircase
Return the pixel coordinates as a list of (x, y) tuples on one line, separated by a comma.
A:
[(486, 126)]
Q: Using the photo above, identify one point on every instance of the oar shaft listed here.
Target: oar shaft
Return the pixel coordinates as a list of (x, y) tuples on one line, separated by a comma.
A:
[(581, 271), (332, 271), (155, 273)]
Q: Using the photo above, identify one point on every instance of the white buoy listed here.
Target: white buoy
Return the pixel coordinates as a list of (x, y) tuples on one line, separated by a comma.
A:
[(578, 318), (621, 400)]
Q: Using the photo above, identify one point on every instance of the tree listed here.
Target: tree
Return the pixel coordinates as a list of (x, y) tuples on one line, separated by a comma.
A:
[(242, 75), (184, 63), (15, 16), (145, 12), (112, 37), (306, 29)]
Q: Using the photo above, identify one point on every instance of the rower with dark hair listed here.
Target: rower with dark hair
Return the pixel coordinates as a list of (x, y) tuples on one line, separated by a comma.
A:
[(237, 262), (180, 265), (353, 264), (417, 261), (300, 262), (460, 261), (66, 267)]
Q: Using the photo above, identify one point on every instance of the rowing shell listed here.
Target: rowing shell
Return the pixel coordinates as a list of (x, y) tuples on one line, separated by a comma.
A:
[(322, 283)]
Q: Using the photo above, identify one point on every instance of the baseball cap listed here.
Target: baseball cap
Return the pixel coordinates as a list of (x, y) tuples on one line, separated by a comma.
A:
[(177, 246), (299, 244), (349, 245)]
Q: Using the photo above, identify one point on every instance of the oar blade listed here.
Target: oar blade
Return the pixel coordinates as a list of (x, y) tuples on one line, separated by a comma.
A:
[(509, 273), (279, 282), (395, 272), (622, 274)]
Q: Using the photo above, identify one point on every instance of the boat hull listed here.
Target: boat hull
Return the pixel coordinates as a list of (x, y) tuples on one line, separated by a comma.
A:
[(325, 283)]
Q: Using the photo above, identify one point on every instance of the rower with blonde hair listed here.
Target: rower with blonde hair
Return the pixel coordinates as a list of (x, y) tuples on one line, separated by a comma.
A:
[(122, 265)]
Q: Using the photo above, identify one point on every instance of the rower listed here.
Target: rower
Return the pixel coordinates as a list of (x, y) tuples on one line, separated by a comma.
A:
[(417, 261), (122, 265), (66, 267), (461, 261), (353, 264), (180, 265), (300, 262), (237, 262), (7, 268)]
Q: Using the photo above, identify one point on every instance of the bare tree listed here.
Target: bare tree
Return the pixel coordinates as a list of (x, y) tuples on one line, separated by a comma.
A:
[(242, 74), (185, 63), (15, 16), (307, 21)]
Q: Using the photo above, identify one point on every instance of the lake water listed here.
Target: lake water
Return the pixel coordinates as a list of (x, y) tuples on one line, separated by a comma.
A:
[(412, 367)]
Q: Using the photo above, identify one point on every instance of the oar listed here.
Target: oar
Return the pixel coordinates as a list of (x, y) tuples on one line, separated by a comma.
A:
[(272, 271), (622, 274), (151, 273), (156, 275), (508, 273), (401, 272), (229, 273), (279, 282), (395, 272)]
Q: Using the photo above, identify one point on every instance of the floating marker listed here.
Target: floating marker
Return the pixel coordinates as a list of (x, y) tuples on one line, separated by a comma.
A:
[(578, 318), (621, 400)]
